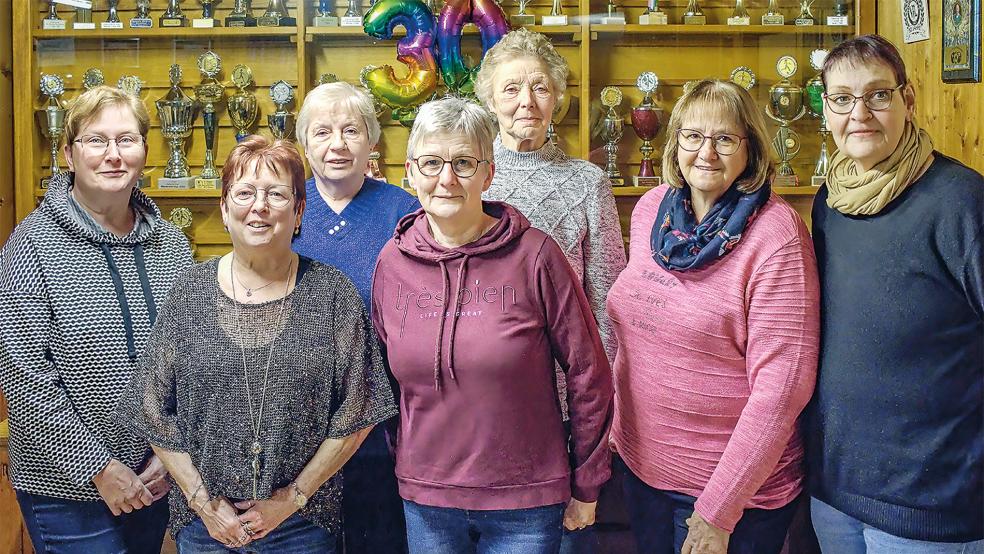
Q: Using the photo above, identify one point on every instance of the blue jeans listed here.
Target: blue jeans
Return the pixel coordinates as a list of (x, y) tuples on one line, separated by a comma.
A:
[(840, 533), (659, 517), (295, 535), (58, 525), (432, 530)]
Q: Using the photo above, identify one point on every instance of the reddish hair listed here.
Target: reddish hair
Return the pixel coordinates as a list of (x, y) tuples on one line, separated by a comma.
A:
[(275, 155), (861, 51)]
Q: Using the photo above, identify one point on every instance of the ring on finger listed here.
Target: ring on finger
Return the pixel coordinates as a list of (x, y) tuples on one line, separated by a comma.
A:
[(249, 530)]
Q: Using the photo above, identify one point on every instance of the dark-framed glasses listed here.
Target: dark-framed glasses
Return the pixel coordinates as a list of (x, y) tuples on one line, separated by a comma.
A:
[(462, 166), (98, 144), (693, 140), (842, 103), (246, 195)]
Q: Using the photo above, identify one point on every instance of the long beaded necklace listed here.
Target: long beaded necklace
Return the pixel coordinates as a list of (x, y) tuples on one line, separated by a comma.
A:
[(256, 449)]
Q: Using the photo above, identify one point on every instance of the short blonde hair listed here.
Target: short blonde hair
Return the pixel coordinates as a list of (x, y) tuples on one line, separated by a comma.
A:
[(456, 116), (88, 105), (727, 99), (339, 93), (521, 43)]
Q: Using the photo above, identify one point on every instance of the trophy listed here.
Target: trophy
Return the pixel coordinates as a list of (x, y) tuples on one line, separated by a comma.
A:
[(172, 16), (52, 21), (113, 20), (814, 95), (743, 77), (611, 97), (839, 19), (773, 16), (52, 119), (281, 122), (83, 18), (207, 20), (177, 113), (740, 15), (241, 15), (326, 14), (785, 106), (325, 78), (130, 84), (652, 15), (242, 105), (372, 169), (142, 20), (646, 124), (92, 78), (182, 219), (556, 16), (694, 15), (276, 16), (522, 18), (613, 16), (353, 15), (805, 17), (208, 94)]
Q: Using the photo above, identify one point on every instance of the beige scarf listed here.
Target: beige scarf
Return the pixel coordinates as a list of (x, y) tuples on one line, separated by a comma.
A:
[(854, 193)]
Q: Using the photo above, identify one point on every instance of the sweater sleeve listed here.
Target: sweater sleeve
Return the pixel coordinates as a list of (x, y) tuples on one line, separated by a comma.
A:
[(781, 361), (604, 258), (578, 349), (37, 402)]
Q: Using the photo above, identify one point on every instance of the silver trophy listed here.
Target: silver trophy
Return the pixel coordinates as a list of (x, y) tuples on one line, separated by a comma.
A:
[(142, 20), (556, 16), (773, 16), (177, 113), (242, 104), (611, 97), (52, 21), (207, 20), (786, 106), (740, 15), (51, 118), (281, 122), (173, 16), (522, 18), (326, 14), (814, 96), (208, 94), (241, 15), (353, 15), (693, 14), (113, 20), (652, 15), (276, 16)]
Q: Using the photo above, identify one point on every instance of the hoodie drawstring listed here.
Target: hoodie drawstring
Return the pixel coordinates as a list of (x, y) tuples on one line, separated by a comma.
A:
[(138, 256), (462, 269), (114, 273), (440, 329)]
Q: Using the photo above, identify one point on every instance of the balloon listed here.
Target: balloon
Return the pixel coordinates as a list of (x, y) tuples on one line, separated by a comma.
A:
[(415, 51), (491, 23)]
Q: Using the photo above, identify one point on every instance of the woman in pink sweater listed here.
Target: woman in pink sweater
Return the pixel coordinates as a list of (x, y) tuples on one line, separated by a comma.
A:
[(717, 327)]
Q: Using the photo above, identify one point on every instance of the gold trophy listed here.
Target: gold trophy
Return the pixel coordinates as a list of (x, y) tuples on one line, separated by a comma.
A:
[(694, 15), (208, 94), (556, 16), (130, 84), (281, 122), (92, 78), (177, 113), (522, 18), (51, 118), (242, 105), (786, 106), (182, 218), (773, 16), (805, 17), (740, 15), (652, 15), (611, 97)]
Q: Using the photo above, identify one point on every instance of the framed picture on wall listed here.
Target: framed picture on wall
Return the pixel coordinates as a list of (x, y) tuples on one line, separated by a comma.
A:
[(961, 41)]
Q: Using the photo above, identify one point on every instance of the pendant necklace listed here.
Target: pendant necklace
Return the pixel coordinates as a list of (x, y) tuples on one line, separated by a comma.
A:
[(250, 291), (256, 448)]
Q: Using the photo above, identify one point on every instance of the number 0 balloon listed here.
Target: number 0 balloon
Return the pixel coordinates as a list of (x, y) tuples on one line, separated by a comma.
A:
[(491, 23)]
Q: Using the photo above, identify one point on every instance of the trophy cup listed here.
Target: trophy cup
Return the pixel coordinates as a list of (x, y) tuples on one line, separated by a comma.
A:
[(83, 19), (522, 18), (52, 119), (372, 169), (142, 19), (740, 15), (130, 84), (814, 95), (839, 18), (556, 16), (785, 106), (242, 105), (177, 113), (694, 15), (113, 20), (172, 16), (326, 15), (613, 16), (241, 15), (652, 15), (805, 17), (353, 15), (773, 16), (208, 94), (281, 122), (743, 77), (207, 20), (611, 97), (52, 21), (646, 124), (92, 78), (276, 16)]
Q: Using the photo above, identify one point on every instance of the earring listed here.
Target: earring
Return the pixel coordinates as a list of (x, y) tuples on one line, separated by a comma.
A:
[(297, 230)]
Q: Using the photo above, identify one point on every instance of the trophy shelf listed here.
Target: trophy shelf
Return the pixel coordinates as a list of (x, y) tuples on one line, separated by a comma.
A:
[(719, 30), (168, 32), (357, 32), (154, 192)]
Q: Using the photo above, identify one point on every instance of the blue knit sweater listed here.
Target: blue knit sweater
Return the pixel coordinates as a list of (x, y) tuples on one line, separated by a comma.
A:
[(897, 425)]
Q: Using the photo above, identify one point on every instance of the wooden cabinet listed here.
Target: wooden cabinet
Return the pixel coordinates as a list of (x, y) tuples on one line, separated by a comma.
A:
[(13, 535)]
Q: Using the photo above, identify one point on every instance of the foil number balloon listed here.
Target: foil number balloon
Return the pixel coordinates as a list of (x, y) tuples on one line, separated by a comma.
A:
[(491, 23)]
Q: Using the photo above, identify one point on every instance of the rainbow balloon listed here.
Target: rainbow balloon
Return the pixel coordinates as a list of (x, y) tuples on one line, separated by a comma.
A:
[(416, 51), (491, 23)]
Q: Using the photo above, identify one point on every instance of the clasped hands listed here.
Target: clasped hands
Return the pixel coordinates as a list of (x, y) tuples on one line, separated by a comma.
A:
[(238, 524), (124, 491)]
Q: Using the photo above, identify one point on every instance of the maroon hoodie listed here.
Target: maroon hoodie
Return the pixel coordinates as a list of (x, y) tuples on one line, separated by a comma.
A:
[(480, 423)]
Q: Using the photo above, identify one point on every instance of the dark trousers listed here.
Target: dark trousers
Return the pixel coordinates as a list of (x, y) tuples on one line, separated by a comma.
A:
[(372, 510), (57, 525), (659, 520), (434, 530)]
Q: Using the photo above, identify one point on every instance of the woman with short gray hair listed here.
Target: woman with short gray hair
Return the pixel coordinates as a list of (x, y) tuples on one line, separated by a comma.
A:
[(475, 308)]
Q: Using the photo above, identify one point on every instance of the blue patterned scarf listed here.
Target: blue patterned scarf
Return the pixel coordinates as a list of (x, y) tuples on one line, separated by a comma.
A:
[(679, 243)]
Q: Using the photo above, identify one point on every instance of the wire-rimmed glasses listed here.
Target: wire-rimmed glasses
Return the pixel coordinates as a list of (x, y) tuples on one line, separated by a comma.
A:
[(97, 145), (246, 195), (462, 166), (842, 103), (693, 140)]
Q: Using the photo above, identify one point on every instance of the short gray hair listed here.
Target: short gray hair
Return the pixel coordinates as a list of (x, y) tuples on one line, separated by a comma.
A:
[(521, 43), (455, 116), (356, 99)]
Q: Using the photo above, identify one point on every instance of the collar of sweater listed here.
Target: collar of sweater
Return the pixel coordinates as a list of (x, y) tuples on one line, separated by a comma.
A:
[(546, 155)]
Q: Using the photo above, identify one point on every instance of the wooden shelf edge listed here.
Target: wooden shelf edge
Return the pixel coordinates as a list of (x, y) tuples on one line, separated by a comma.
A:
[(634, 29), (171, 32), (164, 193), (629, 190), (802, 190)]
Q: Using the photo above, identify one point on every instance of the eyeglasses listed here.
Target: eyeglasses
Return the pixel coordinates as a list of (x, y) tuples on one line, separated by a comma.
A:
[(462, 166), (842, 103), (98, 145), (246, 195), (723, 143)]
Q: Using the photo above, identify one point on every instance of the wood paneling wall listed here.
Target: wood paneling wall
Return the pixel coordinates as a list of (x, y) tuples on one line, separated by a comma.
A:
[(953, 114), (6, 123)]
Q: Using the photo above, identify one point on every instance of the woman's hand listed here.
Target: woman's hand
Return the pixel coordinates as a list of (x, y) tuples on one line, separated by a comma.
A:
[(222, 522), (704, 538), (579, 515), (121, 489), (154, 476), (263, 516)]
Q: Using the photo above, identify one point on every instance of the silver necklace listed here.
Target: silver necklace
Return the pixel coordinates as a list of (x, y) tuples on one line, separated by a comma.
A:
[(250, 291), (256, 449)]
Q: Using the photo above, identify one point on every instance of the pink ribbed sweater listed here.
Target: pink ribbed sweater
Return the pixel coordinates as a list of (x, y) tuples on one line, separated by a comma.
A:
[(715, 365)]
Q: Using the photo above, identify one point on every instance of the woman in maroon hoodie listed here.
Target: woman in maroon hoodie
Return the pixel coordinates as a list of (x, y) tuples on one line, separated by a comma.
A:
[(473, 307)]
